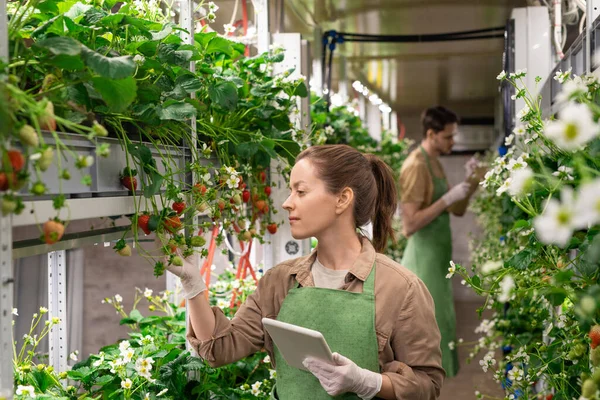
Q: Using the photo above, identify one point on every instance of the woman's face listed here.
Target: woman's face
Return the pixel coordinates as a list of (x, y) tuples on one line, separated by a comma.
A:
[(312, 209)]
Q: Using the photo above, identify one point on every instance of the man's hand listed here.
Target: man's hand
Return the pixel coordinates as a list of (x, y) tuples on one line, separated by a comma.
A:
[(344, 376), (457, 193)]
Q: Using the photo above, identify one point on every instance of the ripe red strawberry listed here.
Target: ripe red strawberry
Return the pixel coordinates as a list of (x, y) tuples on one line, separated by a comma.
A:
[(595, 336), (263, 176), (245, 196), (265, 209), (268, 191), (143, 221), (53, 231), (260, 205), (272, 228), (3, 181), (128, 179), (221, 204), (199, 188), (16, 160), (179, 206), (173, 224), (242, 185)]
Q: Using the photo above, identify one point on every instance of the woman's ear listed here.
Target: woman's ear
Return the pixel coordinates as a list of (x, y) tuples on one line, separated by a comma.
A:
[(345, 200)]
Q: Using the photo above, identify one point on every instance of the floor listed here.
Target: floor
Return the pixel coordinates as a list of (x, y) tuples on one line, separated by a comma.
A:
[(470, 377)]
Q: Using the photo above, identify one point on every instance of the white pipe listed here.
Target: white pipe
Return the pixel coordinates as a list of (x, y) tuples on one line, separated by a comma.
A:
[(558, 28)]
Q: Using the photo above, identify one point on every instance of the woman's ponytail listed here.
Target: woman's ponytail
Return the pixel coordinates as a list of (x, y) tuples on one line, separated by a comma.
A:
[(386, 204)]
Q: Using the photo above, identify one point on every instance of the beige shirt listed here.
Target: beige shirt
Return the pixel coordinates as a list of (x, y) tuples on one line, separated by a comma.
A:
[(407, 333), (416, 182), (326, 277)]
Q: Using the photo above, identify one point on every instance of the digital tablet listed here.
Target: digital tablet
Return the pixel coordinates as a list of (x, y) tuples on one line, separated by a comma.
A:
[(297, 343)]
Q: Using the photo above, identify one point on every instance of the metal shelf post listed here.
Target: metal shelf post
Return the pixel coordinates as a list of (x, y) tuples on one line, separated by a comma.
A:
[(57, 307)]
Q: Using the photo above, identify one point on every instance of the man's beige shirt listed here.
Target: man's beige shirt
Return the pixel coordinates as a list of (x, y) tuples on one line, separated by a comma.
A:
[(407, 333), (416, 182)]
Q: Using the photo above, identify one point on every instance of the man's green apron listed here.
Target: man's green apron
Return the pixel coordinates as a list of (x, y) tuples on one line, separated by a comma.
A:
[(346, 320), (428, 254)]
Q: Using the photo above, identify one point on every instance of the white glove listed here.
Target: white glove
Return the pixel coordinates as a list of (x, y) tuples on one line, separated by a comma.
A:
[(345, 376), (457, 193), (471, 165), (189, 273)]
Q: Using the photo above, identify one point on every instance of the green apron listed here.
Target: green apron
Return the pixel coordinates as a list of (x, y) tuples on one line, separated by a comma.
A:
[(428, 254), (346, 320)]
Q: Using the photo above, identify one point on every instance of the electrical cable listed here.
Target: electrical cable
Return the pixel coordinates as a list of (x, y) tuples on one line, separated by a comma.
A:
[(332, 38)]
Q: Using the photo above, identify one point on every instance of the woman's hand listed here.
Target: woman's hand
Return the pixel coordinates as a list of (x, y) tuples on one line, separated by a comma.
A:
[(344, 376), (188, 273)]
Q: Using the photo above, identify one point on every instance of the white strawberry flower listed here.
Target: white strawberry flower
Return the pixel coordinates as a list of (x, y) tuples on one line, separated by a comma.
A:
[(451, 270), (127, 355), (25, 391), (126, 384), (519, 130), (99, 361), (501, 76), (267, 359), (516, 164), (161, 392), (222, 304), (524, 111), (521, 181), (561, 76), (588, 204), (124, 345), (148, 292), (329, 130), (509, 139), (229, 28), (564, 173), (118, 298), (15, 312), (556, 224), (491, 266), (73, 355), (504, 187), (572, 89), (212, 7), (506, 286), (574, 129)]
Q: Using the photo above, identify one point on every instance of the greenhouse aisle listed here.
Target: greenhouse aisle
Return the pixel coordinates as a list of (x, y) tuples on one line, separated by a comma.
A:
[(470, 377)]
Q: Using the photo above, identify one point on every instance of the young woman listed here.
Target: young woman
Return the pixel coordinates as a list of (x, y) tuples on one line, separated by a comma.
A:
[(376, 316)]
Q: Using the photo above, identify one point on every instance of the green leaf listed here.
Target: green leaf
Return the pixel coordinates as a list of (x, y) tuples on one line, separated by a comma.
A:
[(92, 16), (148, 48), (104, 380), (523, 259), (114, 68), (224, 94), (521, 224), (48, 6), (67, 62), (77, 10), (141, 153), (246, 150), (127, 321), (563, 276), (61, 45), (301, 90), (166, 31), (177, 112), (204, 38), (556, 296), (118, 94), (152, 226), (289, 150), (219, 45), (153, 188), (136, 315), (189, 82)]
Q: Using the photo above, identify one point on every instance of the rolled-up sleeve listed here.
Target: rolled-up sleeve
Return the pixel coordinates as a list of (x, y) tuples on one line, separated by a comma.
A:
[(237, 338), (413, 183), (416, 342)]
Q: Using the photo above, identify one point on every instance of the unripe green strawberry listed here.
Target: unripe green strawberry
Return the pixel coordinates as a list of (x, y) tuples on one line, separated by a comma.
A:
[(38, 188), (29, 136), (236, 199), (197, 241), (125, 251), (47, 120), (202, 207), (46, 159), (177, 261), (595, 356), (8, 206), (596, 376), (99, 130), (588, 389)]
